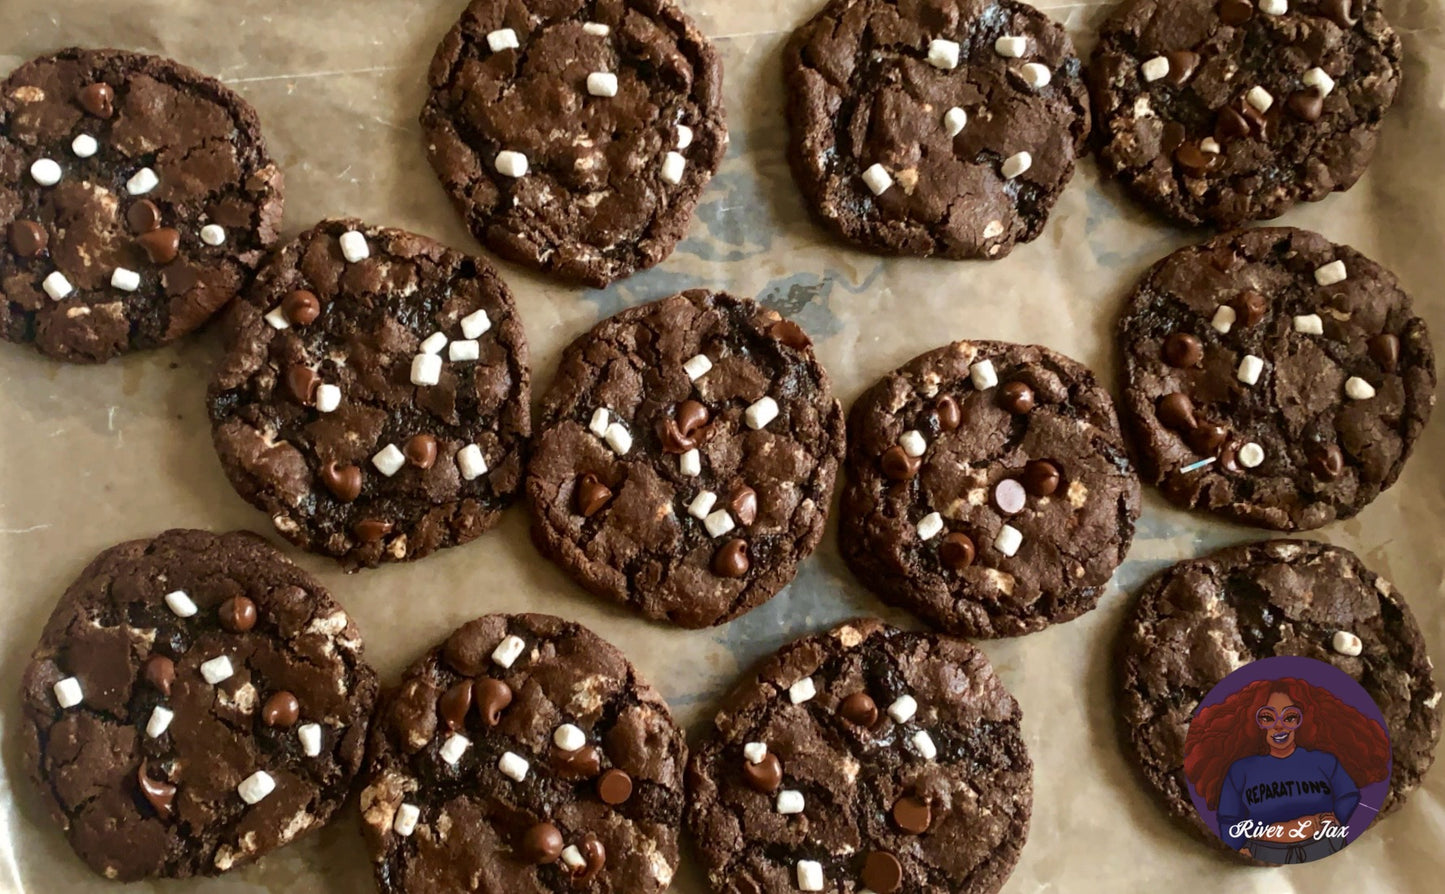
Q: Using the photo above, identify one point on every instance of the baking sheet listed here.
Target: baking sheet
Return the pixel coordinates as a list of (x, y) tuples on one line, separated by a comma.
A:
[(92, 456)]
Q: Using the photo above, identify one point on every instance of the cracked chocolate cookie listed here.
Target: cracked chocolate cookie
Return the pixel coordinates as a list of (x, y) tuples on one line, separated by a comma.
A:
[(1228, 111), (195, 701), (1274, 377), (374, 398), (944, 130), (686, 457), (576, 137), (136, 200), (988, 488), (1201, 619), (867, 758), (523, 754)]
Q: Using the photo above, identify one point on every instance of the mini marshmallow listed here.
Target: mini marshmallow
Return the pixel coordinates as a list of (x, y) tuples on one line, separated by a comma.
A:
[(406, 817), (1015, 165), (1357, 388), (1009, 496), (954, 120), (57, 286), (502, 39), (179, 601), (1249, 369), (389, 460), (1346, 643), (1260, 98), (67, 692), (602, 83), (877, 179), (46, 171), (217, 670), (277, 318), (256, 787), (84, 146), (434, 343), (673, 164), (913, 443), (597, 29), (1250, 455), (213, 235), (328, 398), (511, 164), (1331, 273), (354, 247), (718, 523), (1273, 7), (903, 708), (810, 875), (802, 691), (1309, 324), (569, 737), (508, 651), (690, 463), (454, 747), (1210, 145), (1319, 79), (600, 420), (476, 323), (125, 280), (1224, 318), (142, 182), (618, 438), (1008, 540), (760, 413), (684, 136), (1155, 68), (702, 504), (160, 720), (929, 526), (790, 801), (1012, 46), (426, 369), (943, 54), (513, 766), (310, 736), (923, 744), (982, 375), (571, 857), (1036, 75), (696, 366), (754, 752), (471, 463), (463, 350)]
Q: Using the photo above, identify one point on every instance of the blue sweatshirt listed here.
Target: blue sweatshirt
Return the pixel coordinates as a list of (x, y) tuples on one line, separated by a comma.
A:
[(1278, 789)]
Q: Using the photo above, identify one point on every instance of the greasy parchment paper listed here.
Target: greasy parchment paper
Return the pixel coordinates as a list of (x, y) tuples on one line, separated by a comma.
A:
[(92, 456)]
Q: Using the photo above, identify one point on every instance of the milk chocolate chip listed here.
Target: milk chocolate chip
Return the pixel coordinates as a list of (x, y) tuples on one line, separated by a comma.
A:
[(591, 495), (614, 787), (301, 307), (237, 614), (281, 709), (765, 776), (420, 450), (344, 482), (455, 703), (493, 697), (860, 709)]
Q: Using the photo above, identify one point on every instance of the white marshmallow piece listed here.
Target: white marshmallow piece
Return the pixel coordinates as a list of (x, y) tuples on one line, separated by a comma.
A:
[(179, 602), (1309, 324), (1210, 145), (1260, 98), (67, 692), (1346, 643), (571, 857), (596, 29), (476, 323), (1357, 388), (1015, 165), (790, 801), (328, 398), (1224, 318), (471, 463), (754, 752), (426, 369), (923, 744), (760, 413), (877, 179), (673, 164), (982, 375), (913, 443), (690, 463), (57, 286), (954, 120), (84, 146), (702, 504), (1008, 540), (454, 747), (696, 367), (217, 670), (1274, 7), (684, 136), (354, 247), (1250, 368), (1319, 79), (159, 722), (943, 54), (502, 39), (406, 818), (1250, 455), (125, 280), (718, 523), (1036, 75), (310, 736), (464, 349), (511, 164), (599, 422), (513, 766), (434, 343), (903, 708), (1155, 68), (142, 182), (1011, 46), (46, 171), (602, 83), (254, 788), (810, 875), (508, 651), (389, 460), (929, 526), (213, 234), (1331, 273), (618, 438), (276, 317), (802, 691), (569, 737)]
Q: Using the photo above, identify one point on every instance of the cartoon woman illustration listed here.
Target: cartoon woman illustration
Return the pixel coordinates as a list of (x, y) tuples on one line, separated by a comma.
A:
[(1282, 762)]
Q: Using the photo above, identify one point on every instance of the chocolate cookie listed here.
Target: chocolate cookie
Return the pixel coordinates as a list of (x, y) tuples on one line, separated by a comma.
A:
[(136, 199), (1274, 377), (686, 457), (576, 137), (1227, 111), (988, 488), (1201, 619), (864, 758), (374, 398), (524, 754), (947, 129), (195, 701)]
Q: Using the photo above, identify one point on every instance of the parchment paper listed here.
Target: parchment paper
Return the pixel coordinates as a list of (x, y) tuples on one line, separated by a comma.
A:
[(92, 456)]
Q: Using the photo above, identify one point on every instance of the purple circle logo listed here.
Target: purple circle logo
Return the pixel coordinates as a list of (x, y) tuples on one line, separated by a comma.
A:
[(1288, 760)]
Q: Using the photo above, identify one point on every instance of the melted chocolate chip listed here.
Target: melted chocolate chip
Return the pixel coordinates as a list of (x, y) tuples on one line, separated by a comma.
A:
[(860, 709), (1385, 351), (882, 872), (956, 551), (1016, 397), (541, 844), (160, 795), (1182, 64), (237, 614), (765, 776), (912, 814), (301, 307), (1339, 12), (691, 415), (420, 450), (790, 334), (28, 238), (614, 787), (1182, 350), (1176, 412), (590, 495), (584, 763), (1307, 105), (454, 704), (731, 559), (1249, 307), (948, 413), (98, 100), (371, 530), (1230, 125), (595, 856), (160, 672), (1326, 461), (898, 465), (493, 696), (1206, 437), (344, 482), (1194, 159), (301, 383), (161, 246), (281, 709), (744, 504), (1171, 137), (143, 217), (672, 438), (1235, 12), (1041, 477)]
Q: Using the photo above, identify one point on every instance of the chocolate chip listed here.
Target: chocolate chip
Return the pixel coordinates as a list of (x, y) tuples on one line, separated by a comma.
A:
[(677, 433), (1249, 307), (764, 776), (1194, 159), (143, 217), (1016, 397), (28, 238), (590, 495), (1172, 137), (1259, 122), (455, 703), (1326, 461), (161, 246), (301, 307), (744, 504), (371, 530), (1206, 437), (859, 709), (948, 413), (301, 383), (1182, 350), (956, 551), (541, 844), (882, 872), (1307, 105), (898, 465), (912, 814), (420, 450), (1385, 351), (160, 672), (98, 99), (1230, 125), (731, 559), (614, 787), (493, 696), (1041, 477), (1235, 12), (160, 795), (1229, 457), (1182, 64), (344, 482), (584, 763), (1339, 12), (281, 709), (596, 857), (790, 334), (691, 415), (672, 438), (1176, 412), (237, 614)]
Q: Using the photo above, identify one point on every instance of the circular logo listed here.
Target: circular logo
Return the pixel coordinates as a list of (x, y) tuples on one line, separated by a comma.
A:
[(1288, 760)]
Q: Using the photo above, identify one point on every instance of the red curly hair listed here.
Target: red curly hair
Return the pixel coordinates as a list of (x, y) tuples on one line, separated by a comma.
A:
[(1223, 733)]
